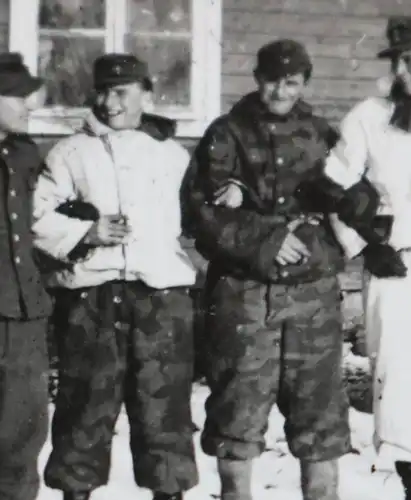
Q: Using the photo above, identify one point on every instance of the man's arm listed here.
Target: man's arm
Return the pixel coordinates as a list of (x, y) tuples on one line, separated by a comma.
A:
[(355, 201), (241, 237), (56, 234), (345, 166)]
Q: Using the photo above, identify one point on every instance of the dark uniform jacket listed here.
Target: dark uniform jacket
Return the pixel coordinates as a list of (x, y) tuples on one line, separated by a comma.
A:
[(270, 156), (22, 296)]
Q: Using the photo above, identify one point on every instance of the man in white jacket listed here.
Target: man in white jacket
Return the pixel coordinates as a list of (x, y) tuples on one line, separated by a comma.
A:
[(376, 145), (122, 290)]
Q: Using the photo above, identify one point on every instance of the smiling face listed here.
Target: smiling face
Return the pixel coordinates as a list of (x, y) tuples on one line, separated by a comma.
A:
[(281, 95), (120, 106), (401, 69)]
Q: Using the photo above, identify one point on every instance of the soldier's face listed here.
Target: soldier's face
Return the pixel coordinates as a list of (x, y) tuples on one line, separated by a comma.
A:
[(401, 67), (120, 107), (15, 111), (280, 96)]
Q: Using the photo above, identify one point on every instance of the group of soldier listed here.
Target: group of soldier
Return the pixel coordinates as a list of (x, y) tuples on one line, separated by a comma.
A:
[(274, 197)]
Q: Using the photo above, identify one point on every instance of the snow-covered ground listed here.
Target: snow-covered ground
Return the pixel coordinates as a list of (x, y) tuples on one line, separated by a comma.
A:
[(276, 475)]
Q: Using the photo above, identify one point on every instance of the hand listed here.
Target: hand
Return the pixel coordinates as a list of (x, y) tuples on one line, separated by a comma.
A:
[(384, 261), (108, 230), (292, 251), (230, 195)]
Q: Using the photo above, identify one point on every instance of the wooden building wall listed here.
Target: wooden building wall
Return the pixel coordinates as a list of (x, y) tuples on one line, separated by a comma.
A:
[(342, 36)]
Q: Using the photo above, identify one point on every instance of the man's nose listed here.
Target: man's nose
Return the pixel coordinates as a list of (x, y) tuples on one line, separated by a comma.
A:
[(110, 100), (402, 67), (279, 89)]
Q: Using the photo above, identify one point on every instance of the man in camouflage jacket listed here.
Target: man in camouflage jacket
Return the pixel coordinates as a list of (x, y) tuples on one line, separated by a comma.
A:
[(273, 325)]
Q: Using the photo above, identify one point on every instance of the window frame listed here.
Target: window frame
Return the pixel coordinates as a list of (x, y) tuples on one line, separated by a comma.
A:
[(205, 69)]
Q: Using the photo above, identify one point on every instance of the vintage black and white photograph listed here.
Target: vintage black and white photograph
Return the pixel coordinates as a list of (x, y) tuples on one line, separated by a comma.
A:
[(203, 207)]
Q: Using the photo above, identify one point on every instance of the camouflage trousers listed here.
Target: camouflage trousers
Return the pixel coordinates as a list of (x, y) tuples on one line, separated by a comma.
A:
[(23, 406), (275, 344), (123, 342)]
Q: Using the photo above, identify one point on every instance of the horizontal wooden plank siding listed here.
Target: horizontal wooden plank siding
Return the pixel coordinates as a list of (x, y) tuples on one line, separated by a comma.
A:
[(342, 36)]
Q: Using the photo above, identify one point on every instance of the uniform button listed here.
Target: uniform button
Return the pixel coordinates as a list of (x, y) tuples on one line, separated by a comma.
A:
[(11, 170), (5, 151), (117, 300), (280, 161), (16, 237), (13, 193), (284, 274), (83, 295), (118, 325), (272, 127), (17, 260), (14, 216), (281, 199)]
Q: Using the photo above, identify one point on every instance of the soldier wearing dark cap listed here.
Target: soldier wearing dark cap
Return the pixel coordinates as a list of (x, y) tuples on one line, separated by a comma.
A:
[(273, 324), (107, 208), (375, 145), (24, 305)]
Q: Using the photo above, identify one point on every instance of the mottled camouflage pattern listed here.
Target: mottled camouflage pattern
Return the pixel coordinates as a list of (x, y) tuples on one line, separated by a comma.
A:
[(124, 342), (23, 406), (271, 157), (277, 344)]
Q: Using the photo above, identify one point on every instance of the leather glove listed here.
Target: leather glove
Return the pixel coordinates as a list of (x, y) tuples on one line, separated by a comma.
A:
[(384, 261)]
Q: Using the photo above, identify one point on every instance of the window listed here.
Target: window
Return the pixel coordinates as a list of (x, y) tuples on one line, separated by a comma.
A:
[(180, 40)]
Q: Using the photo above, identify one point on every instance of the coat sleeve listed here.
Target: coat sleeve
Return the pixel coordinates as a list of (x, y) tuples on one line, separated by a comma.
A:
[(56, 234), (241, 237), (346, 166)]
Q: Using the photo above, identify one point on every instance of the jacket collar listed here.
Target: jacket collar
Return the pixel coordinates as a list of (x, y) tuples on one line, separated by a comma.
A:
[(251, 105), (157, 127)]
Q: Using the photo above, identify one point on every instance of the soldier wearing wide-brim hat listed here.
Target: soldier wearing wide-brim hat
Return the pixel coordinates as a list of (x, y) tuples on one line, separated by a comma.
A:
[(376, 146), (398, 34), (106, 206), (273, 326), (24, 305)]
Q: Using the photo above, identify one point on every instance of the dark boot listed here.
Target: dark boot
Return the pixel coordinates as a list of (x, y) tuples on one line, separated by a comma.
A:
[(167, 496), (404, 471), (235, 477), (76, 495), (319, 480)]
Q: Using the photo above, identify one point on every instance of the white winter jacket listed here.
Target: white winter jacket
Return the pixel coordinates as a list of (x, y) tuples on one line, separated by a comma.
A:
[(126, 172), (373, 148)]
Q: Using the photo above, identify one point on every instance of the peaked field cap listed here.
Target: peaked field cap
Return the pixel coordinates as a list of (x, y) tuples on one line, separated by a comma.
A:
[(398, 33), (15, 77), (117, 68), (282, 58)]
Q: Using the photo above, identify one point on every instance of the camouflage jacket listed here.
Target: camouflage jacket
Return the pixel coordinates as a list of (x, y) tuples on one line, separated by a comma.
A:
[(270, 157)]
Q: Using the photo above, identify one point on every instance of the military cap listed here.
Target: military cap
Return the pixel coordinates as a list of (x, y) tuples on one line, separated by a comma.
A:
[(116, 69), (398, 33), (282, 58), (15, 77)]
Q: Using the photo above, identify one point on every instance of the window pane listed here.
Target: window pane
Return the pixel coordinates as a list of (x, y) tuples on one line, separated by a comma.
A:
[(72, 14), (158, 15), (66, 63), (169, 61)]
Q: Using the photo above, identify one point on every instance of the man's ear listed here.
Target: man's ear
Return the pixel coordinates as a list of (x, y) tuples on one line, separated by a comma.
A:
[(147, 103), (90, 100)]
